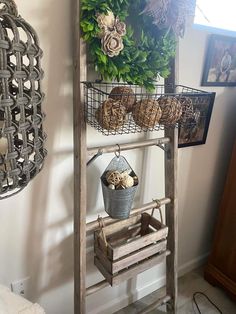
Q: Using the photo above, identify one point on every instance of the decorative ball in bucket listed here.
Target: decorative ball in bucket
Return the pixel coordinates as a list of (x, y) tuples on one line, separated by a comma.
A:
[(119, 185)]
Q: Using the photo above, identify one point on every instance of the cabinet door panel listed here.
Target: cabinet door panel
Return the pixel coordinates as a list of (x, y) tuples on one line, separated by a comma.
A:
[(224, 250)]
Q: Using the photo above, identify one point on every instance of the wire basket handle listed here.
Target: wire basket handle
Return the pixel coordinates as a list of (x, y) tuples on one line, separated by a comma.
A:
[(8, 6)]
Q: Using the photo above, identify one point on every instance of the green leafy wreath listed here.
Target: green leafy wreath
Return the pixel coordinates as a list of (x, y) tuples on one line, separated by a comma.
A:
[(136, 54)]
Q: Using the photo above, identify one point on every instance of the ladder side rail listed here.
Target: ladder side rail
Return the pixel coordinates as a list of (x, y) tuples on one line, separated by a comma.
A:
[(171, 161), (79, 73)]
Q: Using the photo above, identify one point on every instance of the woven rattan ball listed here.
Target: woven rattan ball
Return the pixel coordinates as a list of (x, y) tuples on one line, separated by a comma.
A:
[(126, 180), (147, 113), (111, 114), (113, 177), (187, 109), (171, 110), (125, 94)]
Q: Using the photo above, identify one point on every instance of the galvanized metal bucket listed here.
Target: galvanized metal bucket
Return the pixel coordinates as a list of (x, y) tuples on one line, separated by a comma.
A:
[(118, 203)]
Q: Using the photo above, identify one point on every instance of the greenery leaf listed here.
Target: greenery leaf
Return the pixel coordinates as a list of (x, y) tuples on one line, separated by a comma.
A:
[(147, 50)]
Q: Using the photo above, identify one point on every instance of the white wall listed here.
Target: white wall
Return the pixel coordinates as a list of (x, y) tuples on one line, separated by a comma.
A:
[(36, 225), (202, 169)]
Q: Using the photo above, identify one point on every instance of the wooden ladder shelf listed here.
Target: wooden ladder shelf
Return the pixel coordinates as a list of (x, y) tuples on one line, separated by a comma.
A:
[(168, 143)]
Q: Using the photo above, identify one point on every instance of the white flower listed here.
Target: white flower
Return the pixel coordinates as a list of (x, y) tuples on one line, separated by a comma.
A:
[(112, 44), (120, 27), (106, 21)]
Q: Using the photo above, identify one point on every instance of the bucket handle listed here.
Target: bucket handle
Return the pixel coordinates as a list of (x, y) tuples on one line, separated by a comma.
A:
[(117, 153)]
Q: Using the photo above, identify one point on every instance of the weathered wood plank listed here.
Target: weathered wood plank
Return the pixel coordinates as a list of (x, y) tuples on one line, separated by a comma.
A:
[(128, 229), (94, 225), (171, 161), (128, 146), (103, 258), (116, 266), (124, 235), (103, 270), (79, 169), (121, 224), (155, 305), (145, 223), (122, 250), (138, 256), (132, 271), (97, 287)]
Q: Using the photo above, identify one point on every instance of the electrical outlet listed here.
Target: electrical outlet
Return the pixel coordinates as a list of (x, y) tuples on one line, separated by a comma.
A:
[(20, 286)]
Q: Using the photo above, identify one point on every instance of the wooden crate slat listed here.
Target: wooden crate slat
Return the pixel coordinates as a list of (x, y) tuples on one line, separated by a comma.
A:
[(103, 270), (103, 258), (132, 271), (139, 256), (135, 270), (125, 249), (118, 239), (116, 266), (145, 223), (121, 224)]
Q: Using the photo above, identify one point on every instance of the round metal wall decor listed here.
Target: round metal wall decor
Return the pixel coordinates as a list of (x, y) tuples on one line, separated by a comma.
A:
[(21, 133)]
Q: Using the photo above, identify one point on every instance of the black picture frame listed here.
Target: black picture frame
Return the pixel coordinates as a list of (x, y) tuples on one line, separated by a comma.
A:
[(220, 62), (196, 134)]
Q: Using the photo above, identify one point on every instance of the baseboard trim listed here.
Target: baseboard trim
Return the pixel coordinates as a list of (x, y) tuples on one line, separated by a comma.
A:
[(136, 294), (193, 264)]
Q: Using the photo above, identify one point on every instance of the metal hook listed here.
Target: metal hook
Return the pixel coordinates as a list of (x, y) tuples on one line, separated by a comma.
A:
[(162, 147), (117, 153), (99, 153), (166, 150)]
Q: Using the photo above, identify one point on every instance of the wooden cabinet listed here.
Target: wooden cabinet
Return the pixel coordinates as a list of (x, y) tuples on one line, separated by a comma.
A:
[(221, 267)]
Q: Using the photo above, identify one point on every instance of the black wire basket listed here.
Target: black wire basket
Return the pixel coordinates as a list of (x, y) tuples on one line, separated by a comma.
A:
[(118, 108)]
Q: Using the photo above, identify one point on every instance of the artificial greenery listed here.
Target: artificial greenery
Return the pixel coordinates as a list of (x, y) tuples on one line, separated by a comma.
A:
[(147, 50)]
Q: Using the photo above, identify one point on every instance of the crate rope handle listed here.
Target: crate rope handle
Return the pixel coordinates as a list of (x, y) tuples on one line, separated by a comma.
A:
[(160, 212), (159, 208), (8, 7), (101, 226), (158, 203)]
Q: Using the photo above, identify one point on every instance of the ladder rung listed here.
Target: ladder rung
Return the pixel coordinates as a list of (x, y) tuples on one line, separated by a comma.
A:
[(94, 225), (103, 284), (156, 304), (128, 146), (98, 286)]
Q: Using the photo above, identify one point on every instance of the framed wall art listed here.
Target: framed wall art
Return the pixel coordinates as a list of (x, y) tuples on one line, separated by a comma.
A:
[(195, 131), (220, 62)]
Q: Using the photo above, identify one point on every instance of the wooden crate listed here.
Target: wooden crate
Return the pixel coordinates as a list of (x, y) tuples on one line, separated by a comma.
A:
[(129, 247)]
